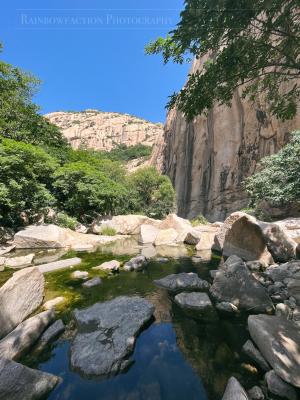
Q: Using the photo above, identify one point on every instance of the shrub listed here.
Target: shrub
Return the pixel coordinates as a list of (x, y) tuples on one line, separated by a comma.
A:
[(65, 221), (152, 193), (278, 181), (25, 181), (108, 231), (83, 191), (199, 220)]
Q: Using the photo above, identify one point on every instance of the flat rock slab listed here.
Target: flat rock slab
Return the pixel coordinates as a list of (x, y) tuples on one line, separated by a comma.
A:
[(17, 342), (234, 390), (18, 382), (20, 296), (185, 281), (197, 304), (235, 284), (279, 342), (56, 265), (19, 262), (106, 335)]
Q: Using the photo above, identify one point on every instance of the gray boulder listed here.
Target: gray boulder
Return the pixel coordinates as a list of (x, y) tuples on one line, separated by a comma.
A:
[(106, 335), (18, 382), (17, 342), (92, 282), (136, 263), (20, 296), (255, 393), (278, 341), (234, 390), (196, 304), (251, 351), (278, 387), (227, 308), (50, 334), (185, 281), (235, 284)]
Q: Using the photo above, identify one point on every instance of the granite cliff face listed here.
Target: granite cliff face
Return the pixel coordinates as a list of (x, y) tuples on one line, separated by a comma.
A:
[(104, 130), (208, 158)]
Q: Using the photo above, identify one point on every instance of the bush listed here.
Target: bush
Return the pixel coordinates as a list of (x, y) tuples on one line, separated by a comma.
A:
[(83, 191), (65, 221), (108, 231), (152, 193), (25, 181), (126, 153), (278, 181), (199, 220)]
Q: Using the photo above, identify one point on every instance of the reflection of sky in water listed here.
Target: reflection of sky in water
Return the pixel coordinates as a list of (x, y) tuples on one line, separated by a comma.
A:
[(159, 372)]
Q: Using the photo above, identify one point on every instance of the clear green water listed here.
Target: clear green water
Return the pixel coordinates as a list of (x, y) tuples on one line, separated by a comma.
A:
[(176, 357)]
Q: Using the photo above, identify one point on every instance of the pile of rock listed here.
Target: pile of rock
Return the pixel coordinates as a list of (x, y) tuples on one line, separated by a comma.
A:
[(20, 296)]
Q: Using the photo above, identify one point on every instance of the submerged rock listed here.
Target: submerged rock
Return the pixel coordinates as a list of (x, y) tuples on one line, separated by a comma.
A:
[(20, 296), (19, 262), (234, 390), (278, 341), (185, 281), (106, 335), (136, 263), (196, 304), (235, 284), (18, 382), (92, 282), (50, 334), (16, 343), (278, 387)]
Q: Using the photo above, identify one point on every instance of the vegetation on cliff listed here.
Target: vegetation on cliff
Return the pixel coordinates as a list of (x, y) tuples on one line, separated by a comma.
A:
[(39, 170), (278, 180), (251, 43)]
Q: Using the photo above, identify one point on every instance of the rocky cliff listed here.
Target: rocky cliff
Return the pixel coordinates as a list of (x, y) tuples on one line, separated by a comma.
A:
[(104, 130), (208, 158)]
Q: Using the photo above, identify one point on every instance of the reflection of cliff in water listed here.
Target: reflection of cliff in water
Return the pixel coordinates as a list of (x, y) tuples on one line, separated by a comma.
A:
[(214, 350)]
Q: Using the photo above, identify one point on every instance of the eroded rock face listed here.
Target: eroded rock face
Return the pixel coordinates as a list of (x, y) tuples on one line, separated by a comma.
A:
[(208, 158), (18, 382), (234, 283), (278, 341), (106, 335), (20, 296)]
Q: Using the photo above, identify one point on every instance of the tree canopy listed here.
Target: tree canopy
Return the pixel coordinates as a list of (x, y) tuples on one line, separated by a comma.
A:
[(254, 43)]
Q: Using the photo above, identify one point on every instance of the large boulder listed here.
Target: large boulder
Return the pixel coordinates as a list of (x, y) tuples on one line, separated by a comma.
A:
[(181, 225), (17, 342), (234, 390), (41, 236), (278, 341), (291, 227), (235, 284), (130, 224), (106, 335), (148, 234), (166, 237), (18, 382), (196, 304), (185, 281), (207, 237), (222, 230), (20, 296), (245, 239)]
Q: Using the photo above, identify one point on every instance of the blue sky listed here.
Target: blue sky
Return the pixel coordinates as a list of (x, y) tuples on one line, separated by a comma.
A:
[(90, 54)]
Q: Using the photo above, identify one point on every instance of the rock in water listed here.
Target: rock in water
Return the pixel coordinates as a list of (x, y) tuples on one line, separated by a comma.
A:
[(234, 390), (136, 263), (188, 281), (148, 234), (278, 387), (106, 334), (251, 351), (112, 266), (17, 342), (19, 262), (196, 304), (50, 334), (278, 340), (92, 282), (20, 296), (235, 284), (18, 382)]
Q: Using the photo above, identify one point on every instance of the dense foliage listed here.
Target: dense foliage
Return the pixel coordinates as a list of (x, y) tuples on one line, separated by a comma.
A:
[(255, 43), (278, 181), (125, 153), (153, 193)]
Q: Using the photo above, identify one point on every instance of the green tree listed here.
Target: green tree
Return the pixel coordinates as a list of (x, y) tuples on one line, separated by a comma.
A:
[(152, 193), (19, 117), (254, 43), (278, 181), (25, 181), (83, 191)]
